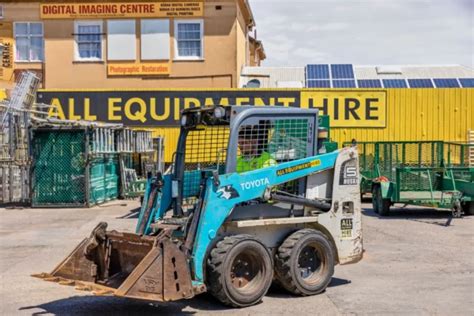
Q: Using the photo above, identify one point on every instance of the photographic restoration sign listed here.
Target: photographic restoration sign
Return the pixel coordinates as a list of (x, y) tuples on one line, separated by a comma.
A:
[(134, 69), (155, 108), (92, 10)]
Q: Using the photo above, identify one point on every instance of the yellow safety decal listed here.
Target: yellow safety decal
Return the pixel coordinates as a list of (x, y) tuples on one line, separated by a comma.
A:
[(299, 167)]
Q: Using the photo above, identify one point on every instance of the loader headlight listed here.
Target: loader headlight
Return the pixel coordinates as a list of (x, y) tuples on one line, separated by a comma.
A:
[(184, 120), (219, 112)]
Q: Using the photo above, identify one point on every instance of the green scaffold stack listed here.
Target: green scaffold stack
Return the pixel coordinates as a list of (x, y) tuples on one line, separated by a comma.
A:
[(69, 169)]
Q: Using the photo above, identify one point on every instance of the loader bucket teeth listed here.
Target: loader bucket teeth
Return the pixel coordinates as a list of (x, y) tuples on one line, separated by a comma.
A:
[(84, 288), (126, 265), (67, 282)]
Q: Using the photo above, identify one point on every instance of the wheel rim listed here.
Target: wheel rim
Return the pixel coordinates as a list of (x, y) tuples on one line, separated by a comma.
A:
[(311, 264), (247, 272)]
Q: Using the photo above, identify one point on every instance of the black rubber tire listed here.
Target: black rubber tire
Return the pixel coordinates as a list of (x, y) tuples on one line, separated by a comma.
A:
[(468, 208), (375, 206), (220, 265), (381, 205), (287, 262)]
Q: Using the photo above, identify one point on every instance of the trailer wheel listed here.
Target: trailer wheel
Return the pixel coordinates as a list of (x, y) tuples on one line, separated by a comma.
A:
[(239, 270), (375, 206), (381, 206), (468, 208), (304, 263)]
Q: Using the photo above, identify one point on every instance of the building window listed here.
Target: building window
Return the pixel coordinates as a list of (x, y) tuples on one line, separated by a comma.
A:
[(188, 39), (28, 41), (88, 42), (155, 39), (121, 40)]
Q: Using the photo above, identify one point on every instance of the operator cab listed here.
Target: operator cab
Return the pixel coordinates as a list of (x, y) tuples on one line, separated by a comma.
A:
[(221, 140)]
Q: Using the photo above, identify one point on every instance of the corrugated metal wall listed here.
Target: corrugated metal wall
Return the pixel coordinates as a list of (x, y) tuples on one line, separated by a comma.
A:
[(412, 114), (420, 114), (170, 135)]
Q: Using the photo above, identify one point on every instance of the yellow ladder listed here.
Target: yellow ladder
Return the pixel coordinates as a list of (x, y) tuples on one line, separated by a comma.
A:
[(470, 140)]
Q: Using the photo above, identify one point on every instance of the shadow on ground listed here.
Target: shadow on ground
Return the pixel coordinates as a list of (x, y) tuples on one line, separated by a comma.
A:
[(108, 305), (132, 214), (422, 215)]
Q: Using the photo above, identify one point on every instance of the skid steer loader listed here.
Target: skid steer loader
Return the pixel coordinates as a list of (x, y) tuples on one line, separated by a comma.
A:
[(252, 197)]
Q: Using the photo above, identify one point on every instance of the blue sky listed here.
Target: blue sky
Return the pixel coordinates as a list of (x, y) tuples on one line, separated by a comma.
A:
[(366, 32)]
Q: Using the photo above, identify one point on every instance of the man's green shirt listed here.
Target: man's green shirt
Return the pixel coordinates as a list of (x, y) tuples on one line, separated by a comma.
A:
[(249, 164)]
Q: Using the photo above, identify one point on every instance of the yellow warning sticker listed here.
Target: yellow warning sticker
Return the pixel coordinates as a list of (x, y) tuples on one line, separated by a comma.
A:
[(302, 166)]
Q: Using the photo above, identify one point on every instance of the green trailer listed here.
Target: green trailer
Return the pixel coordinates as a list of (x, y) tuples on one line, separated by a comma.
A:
[(427, 173)]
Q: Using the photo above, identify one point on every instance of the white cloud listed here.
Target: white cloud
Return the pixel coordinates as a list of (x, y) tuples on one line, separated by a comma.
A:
[(299, 32)]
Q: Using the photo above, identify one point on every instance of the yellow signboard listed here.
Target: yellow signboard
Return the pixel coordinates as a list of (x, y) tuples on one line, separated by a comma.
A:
[(353, 108), (133, 69), (6, 48), (181, 9)]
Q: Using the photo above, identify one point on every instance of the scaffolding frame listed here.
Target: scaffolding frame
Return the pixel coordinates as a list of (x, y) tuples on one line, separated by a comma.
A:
[(15, 140)]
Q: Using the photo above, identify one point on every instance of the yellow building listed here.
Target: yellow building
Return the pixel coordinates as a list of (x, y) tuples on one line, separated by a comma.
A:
[(110, 44)]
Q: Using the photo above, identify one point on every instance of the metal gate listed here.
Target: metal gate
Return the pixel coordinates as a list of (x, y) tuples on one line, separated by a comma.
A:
[(59, 168)]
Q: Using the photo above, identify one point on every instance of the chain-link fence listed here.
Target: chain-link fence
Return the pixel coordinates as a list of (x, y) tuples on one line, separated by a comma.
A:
[(457, 154), (59, 168), (64, 173), (419, 179), (458, 159), (415, 165), (392, 155), (104, 178)]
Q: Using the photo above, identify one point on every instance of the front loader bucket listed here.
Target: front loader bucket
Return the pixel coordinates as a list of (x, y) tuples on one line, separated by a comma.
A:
[(126, 265)]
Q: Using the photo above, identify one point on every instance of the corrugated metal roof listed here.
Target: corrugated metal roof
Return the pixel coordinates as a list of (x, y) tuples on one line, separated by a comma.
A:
[(270, 76), (414, 72)]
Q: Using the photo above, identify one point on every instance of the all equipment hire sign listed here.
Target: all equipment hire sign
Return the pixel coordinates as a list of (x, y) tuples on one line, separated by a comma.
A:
[(351, 108)]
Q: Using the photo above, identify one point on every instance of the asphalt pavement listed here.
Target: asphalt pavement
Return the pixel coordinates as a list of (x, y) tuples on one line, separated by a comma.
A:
[(417, 261)]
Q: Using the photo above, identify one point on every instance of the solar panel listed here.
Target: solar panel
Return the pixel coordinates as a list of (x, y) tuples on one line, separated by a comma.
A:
[(343, 84), (342, 71), (467, 82), (446, 83), (318, 84), (420, 83), (369, 83), (394, 83), (317, 72)]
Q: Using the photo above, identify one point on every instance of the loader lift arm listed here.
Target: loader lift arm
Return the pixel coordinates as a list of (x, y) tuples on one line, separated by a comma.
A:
[(218, 209)]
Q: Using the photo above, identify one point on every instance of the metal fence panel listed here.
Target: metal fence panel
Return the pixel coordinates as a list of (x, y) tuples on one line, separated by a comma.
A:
[(59, 169)]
